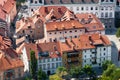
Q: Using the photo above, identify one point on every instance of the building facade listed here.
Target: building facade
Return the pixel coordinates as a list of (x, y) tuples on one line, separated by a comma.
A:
[(88, 49), (11, 67), (92, 49), (103, 9)]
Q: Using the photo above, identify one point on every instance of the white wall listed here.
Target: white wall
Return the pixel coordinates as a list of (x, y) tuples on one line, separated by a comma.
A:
[(43, 64), (25, 59), (102, 54)]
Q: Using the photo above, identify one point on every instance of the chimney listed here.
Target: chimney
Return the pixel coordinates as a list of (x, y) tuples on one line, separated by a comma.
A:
[(60, 11)]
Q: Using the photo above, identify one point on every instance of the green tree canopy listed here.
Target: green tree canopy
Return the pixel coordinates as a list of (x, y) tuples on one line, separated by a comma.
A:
[(118, 32), (33, 64), (55, 77), (105, 64), (75, 71), (42, 75), (61, 71), (111, 73), (87, 69)]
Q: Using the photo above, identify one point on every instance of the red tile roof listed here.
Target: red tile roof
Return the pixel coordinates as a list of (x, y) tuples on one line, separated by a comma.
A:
[(85, 42), (58, 11), (5, 42), (8, 63), (8, 6), (63, 25), (2, 14)]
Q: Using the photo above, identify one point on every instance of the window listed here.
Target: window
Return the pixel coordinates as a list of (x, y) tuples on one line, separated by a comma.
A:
[(82, 8), (44, 66), (104, 49), (86, 8), (56, 59), (23, 31), (102, 15), (31, 9), (55, 32), (48, 60), (102, 8), (96, 8), (40, 1), (30, 31), (48, 66), (110, 14), (31, 1), (56, 65), (65, 31), (70, 31), (85, 56), (106, 14), (60, 32), (75, 30), (50, 39), (84, 60), (77, 8), (35, 2), (91, 8), (104, 53), (53, 65), (75, 36), (106, 8)]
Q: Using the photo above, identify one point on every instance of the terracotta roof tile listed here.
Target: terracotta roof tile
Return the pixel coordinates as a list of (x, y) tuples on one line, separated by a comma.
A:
[(8, 6), (85, 42), (2, 14), (53, 26), (7, 63)]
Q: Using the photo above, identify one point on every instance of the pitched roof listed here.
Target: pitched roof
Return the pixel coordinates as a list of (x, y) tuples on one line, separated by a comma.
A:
[(8, 6), (71, 1), (4, 42), (2, 14), (6, 62), (57, 11), (63, 25), (84, 42)]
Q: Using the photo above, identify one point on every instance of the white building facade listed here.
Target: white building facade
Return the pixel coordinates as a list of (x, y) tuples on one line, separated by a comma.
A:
[(97, 56), (103, 9)]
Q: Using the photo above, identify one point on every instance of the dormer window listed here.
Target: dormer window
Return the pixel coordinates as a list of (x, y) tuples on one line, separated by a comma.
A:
[(29, 27)]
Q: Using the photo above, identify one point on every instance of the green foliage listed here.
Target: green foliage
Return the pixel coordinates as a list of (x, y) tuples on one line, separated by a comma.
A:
[(75, 71), (55, 77), (105, 64), (33, 64), (61, 71), (42, 75), (118, 32), (87, 69), (111, 73)]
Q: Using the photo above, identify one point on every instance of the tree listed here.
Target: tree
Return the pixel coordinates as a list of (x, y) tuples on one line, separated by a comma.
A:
[(76, 71), (111, 73), (87, 69), (42, 75), (33, 64), (105, 64), (61, 71), (118, 32), (55, 77)]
